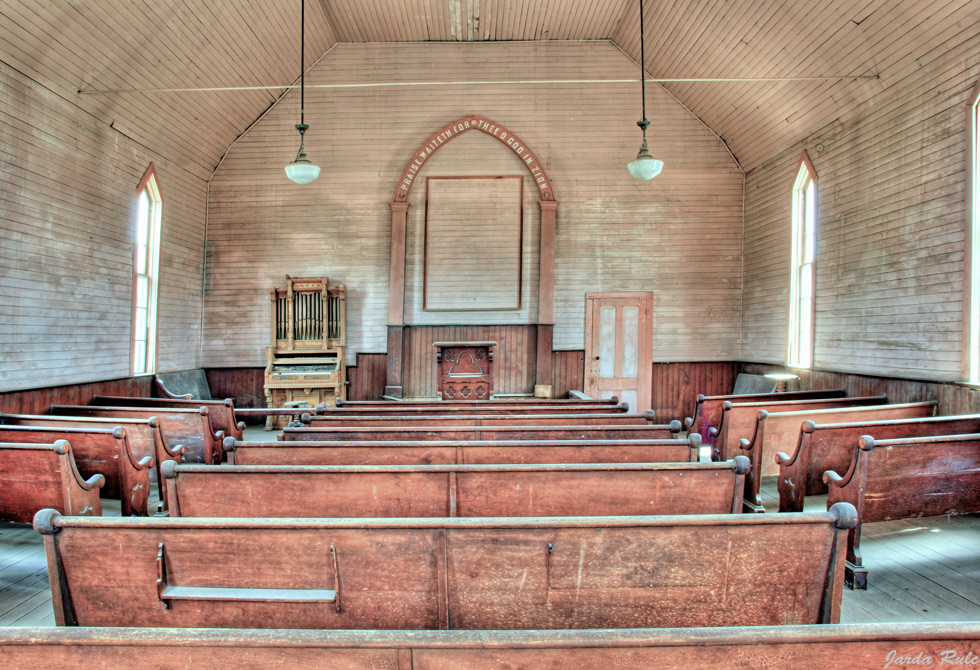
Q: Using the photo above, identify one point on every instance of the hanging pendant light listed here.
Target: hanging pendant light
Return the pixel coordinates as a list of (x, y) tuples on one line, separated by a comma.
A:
[(645, 166), (301, 170)]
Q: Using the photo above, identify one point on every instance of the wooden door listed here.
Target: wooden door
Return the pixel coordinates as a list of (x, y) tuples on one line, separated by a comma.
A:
[(619, 347)]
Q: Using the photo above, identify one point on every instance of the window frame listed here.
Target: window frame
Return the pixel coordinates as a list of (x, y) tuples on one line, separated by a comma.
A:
[(971, 283), (150, 186), (800, 353)]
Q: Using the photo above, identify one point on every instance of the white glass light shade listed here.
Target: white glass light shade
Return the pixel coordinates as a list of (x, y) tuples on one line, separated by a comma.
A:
[(645, 166), (302, 171)]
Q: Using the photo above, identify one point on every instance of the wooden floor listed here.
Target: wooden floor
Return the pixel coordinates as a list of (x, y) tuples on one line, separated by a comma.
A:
[(919, 569)]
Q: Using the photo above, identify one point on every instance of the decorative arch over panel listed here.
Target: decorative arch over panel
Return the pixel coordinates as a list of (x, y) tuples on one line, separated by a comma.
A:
[(464, 125), (546, 278)]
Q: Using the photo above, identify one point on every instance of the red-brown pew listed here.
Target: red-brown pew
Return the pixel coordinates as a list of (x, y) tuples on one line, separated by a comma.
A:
[(37, 476), (221, 413)]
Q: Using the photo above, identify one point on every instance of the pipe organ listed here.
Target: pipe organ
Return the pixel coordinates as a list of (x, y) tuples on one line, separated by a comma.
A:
[(306, 359)]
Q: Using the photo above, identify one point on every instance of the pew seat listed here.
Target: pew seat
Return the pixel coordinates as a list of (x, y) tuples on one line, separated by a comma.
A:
[(826, 647), (421, 452), (447, 573), (905, 478), (830, 446), (568, 489), (489, 407), (560, 419), (98, 451), (35, 476)]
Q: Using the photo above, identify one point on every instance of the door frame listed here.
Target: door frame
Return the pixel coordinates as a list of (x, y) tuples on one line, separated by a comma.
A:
[(593, 302)]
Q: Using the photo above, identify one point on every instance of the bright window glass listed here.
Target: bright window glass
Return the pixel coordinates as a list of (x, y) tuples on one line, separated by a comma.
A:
[(146, 253), (802, 278)]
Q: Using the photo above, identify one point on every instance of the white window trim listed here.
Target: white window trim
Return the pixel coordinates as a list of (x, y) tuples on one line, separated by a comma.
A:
[(805, 176), (151, 185), (971, 298)]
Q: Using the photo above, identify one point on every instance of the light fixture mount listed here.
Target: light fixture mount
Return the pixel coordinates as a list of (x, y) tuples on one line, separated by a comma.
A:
[(645, 166), (302, 170)]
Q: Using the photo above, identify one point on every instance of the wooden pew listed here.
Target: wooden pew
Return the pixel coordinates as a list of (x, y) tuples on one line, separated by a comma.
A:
[(556, 402), (221, 413), (422, 452), (470, 433), (569, 489), (562, 419), (35, 476), (830, 446), (778, 430), (708, 408), (492, 408), (188, 427), (437, 573), (826, 647), (905, 478), (739, 420), (98, 451), (144, 436)]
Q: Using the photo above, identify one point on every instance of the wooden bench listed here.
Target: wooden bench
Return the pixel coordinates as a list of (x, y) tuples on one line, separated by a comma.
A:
[(98, 451), (776, 431), (423, 452), (144, 436), (480, 420), (37, 476), (739, 420), (827, 647), (509, 433), (221, 413), (556, 402), (905, 478), (709, 408), (438, 573), (830, 446), (569, 489), (490, 408), (184, 384), (188, 427)]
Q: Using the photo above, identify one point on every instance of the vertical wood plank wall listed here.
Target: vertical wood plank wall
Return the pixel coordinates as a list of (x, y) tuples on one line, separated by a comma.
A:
[(674, 235), (39, 400), (67, 222), (891, 224)]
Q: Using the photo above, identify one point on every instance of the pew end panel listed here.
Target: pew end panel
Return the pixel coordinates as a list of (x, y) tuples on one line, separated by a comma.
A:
[(38, 475)]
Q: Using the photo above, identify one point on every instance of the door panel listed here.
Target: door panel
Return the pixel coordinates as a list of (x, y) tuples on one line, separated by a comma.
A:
[(619, 347)]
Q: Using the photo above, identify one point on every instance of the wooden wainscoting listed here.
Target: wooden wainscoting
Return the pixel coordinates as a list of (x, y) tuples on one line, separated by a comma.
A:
[(953, 398), (513, 358), (39, 400), (568, 368), (246, 386), (366, 380), (677, 385)]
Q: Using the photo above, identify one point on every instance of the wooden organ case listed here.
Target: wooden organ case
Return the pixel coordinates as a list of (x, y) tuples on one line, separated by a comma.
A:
[(306, 359)]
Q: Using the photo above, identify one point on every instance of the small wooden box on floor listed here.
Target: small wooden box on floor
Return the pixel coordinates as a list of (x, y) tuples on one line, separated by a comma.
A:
[(306, 359)]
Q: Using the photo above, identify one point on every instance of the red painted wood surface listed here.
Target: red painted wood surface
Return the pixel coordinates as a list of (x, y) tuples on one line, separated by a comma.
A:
[(831, 446), (457, 490), (397, 432), (366, 380), (98, 451), (462, 573), (302, 452), (826, 647), (38, 400), (36, 476), (221, 413), (565, 419)]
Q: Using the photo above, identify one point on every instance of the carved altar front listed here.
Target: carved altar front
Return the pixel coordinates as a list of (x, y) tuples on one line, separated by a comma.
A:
[(465, 370)]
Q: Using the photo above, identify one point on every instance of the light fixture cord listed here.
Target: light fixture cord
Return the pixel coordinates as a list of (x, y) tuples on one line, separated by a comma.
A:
[(302, 59), (643, 78)]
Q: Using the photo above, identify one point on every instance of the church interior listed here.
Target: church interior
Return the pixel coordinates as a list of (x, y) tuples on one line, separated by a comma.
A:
[(606, 221)]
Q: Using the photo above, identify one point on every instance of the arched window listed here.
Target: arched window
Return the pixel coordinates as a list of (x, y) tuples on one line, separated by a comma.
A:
[(146, 264), (972, 330), (799, 350)]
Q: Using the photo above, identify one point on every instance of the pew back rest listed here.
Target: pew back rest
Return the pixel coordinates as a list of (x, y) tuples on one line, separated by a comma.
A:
[(190, 384), (740, 419), (456, 490), (471, 433), (563, 419), (494, 573), (329, 452), (38, 475)]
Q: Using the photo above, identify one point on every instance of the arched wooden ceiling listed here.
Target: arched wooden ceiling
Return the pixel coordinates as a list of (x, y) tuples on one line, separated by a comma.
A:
[(120, 45)]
